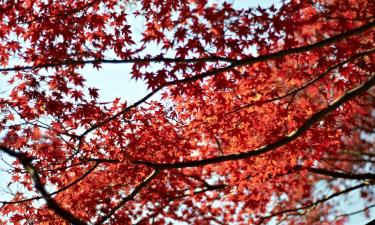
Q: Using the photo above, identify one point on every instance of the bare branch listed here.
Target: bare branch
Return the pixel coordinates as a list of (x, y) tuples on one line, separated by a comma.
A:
[(314, 204), (362, 176), (353, 213)]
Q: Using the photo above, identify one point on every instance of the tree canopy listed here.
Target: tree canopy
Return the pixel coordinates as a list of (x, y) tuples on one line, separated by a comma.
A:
[(254, 115)]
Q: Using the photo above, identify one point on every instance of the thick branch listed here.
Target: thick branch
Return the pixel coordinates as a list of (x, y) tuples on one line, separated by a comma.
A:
[(51, 203), (309, 83), (281, 142), (119, 61), (280, 54), (60, 190), (235, 63), (243, 62)]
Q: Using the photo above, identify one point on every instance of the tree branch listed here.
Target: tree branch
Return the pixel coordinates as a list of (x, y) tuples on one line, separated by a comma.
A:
[(51, 203), (243, 62), (130, 197), (362, 176), (118, 61), (309, 83), (266, 148), (354, 212), (235, 63), (58, 191), (314, 204)]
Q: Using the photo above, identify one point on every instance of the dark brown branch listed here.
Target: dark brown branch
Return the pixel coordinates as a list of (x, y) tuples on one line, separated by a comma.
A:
[(119, 61), (359, 160), (359, 152), (58, 191), (37, 123), (362, 176), (312, 205), (193, 177), (156, 213), (247, 61), (213, 187), (235, 63), (354, 212), (130, 197), (122, 112), (171, 198), (276, 55), (281, 142), (309, 83), (38, 184)]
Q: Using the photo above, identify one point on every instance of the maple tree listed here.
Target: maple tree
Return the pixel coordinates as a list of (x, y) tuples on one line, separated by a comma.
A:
[(265, 114)]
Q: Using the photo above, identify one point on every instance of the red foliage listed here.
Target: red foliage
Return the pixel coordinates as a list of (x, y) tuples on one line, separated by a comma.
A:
[(266, 113)]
